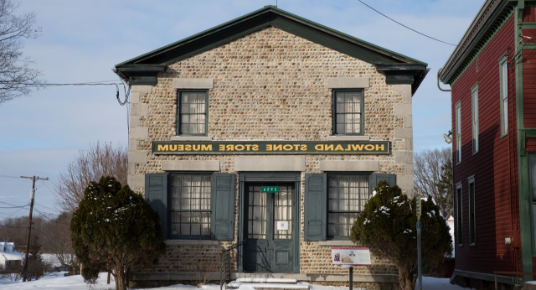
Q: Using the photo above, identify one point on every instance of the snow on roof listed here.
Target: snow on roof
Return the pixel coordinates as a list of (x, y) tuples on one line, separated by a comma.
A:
[(11, 256)]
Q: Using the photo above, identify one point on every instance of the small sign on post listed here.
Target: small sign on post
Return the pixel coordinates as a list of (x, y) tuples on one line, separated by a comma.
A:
[(350, 257)]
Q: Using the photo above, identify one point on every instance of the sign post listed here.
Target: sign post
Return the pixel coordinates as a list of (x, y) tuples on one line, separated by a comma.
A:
[(419, 229), (349, 257)]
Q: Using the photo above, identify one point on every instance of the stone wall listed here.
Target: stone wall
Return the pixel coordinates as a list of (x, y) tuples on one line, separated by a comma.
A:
[(271, 85)]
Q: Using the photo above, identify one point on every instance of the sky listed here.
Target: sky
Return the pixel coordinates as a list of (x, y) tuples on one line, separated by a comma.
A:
[(81, 41)]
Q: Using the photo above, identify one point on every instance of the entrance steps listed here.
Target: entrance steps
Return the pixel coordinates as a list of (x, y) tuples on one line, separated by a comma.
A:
[(267, 284), (530, 285)]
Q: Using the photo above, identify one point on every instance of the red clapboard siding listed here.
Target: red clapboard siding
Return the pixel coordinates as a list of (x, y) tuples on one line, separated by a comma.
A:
[(494, 166), (529, 14), (529, 87)]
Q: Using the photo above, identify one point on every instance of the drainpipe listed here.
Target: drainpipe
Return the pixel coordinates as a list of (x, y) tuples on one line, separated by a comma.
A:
[(443, 90)]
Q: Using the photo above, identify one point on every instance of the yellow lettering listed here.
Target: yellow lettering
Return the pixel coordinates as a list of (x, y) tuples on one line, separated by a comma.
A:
[(287, 147), (221, 148), (239, 147), (230, 147), (319, 147), (278, 147), (357, 147), (206, 147), (379, 147), (268, 147), (328, 147), (188, 147), (162, 147), (173, 147), (296, 147), (180, 147), (369, 147), (255, 147), (248, 147), (339, 148), (303, 147), (196, 147)]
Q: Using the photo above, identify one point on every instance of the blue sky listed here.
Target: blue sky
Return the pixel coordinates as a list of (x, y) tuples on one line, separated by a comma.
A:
[(81, 41)]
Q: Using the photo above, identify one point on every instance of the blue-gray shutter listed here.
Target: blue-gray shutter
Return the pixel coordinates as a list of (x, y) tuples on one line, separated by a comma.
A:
[(315, 206), (156, 189), (223, 203), (375, 178)]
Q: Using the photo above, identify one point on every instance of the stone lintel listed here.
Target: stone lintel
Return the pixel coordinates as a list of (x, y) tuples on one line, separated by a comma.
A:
[(348, 83), (141, 89), (270, 163), (191, 165), (338, 165), (191, 138), (348, 138), (192, 84)]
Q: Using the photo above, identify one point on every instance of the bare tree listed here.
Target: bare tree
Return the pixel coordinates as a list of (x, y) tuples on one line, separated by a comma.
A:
[(16, 76), (98, 161), (433, 174)]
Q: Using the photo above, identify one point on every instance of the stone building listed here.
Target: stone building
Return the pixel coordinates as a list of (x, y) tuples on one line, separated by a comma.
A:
[(267, 132)]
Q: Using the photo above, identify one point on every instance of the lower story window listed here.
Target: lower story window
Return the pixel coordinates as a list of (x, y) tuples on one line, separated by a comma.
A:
[(190, 210), (347, 195)]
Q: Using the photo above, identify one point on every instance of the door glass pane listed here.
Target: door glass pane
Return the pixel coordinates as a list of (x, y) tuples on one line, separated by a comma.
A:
[(257, 213), (283, 213)]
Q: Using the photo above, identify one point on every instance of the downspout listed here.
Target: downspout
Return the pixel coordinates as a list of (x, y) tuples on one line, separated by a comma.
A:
[(443, 90)]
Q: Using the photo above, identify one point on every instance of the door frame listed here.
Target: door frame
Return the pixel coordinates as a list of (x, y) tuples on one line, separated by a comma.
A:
[(294, 177)]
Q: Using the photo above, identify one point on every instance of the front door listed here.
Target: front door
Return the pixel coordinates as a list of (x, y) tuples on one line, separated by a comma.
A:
[(269, 228)]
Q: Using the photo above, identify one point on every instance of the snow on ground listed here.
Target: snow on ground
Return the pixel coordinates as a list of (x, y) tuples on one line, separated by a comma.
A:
[(55, 281)]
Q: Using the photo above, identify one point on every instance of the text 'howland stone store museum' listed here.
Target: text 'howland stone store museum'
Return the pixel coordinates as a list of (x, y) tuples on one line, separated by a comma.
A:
[(273, 130)]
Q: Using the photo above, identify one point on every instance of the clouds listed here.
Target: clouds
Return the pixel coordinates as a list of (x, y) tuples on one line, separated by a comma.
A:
[(81, 41)]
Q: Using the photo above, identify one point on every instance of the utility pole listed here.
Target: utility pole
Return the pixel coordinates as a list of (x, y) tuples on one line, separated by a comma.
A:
[(32, 193)]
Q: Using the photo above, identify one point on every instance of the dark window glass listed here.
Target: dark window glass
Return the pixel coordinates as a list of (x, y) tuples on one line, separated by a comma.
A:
[(192, 113), (347, 195), (348, 113), (190, 205), (472, 221), (459, 214)]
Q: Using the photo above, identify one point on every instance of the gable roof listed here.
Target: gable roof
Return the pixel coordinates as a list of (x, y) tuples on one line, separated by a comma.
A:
[(397, 67)]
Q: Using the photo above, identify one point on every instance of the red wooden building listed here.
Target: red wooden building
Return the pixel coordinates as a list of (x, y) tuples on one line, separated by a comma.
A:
[(492, 75)]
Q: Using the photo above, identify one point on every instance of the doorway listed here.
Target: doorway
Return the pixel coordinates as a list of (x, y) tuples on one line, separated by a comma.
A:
[(269, 226)]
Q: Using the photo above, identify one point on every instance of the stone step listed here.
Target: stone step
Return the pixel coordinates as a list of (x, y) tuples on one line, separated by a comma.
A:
[(268, 286), (267, 280), (529, 285)]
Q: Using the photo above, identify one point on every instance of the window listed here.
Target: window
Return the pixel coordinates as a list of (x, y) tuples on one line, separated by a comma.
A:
[(193, 205), (347, 195), (459, 214), (348, 112), (476, 132), (472, 221), (503, 72), (458, 133), (190, 206), (192, 113)]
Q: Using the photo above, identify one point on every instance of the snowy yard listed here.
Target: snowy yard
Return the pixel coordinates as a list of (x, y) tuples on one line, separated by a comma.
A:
[(56, 282)]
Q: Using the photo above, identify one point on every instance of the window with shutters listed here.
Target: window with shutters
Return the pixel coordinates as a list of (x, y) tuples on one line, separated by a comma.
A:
[(190, 206), (347, 195), (192, 112), (348, 111)]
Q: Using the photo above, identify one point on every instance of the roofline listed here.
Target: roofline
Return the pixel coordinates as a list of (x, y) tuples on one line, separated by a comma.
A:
[(483, 20), (270, 8)]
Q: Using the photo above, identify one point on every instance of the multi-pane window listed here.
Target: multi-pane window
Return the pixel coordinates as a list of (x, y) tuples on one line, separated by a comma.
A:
[(190, 209), (192, 112), (503, 73), (532, 167), (459, 214), (347, 195), (472, 221), (474, 98), (348, 112), (458, 133)]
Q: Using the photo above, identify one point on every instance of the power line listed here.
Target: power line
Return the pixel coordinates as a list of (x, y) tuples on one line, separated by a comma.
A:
[(8, 176), (405, 25), (14, 206)]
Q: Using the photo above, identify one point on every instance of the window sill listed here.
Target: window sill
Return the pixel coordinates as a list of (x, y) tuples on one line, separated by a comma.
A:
[(340, 243), (191, 138), (192, 242), (348, 138)]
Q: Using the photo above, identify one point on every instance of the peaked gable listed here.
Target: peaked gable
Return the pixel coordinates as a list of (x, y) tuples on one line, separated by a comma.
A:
[(398, 68)]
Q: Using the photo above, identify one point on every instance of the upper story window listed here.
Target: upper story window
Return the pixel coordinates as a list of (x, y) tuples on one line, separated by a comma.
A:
[(458, 132), (348, 111), (192, 113), (475, 117), (503, 72)]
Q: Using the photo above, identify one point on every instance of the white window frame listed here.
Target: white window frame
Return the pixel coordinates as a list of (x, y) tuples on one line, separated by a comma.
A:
[(459, 214), (458, 117), (503, 74), (475, 119), (472, 210)]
